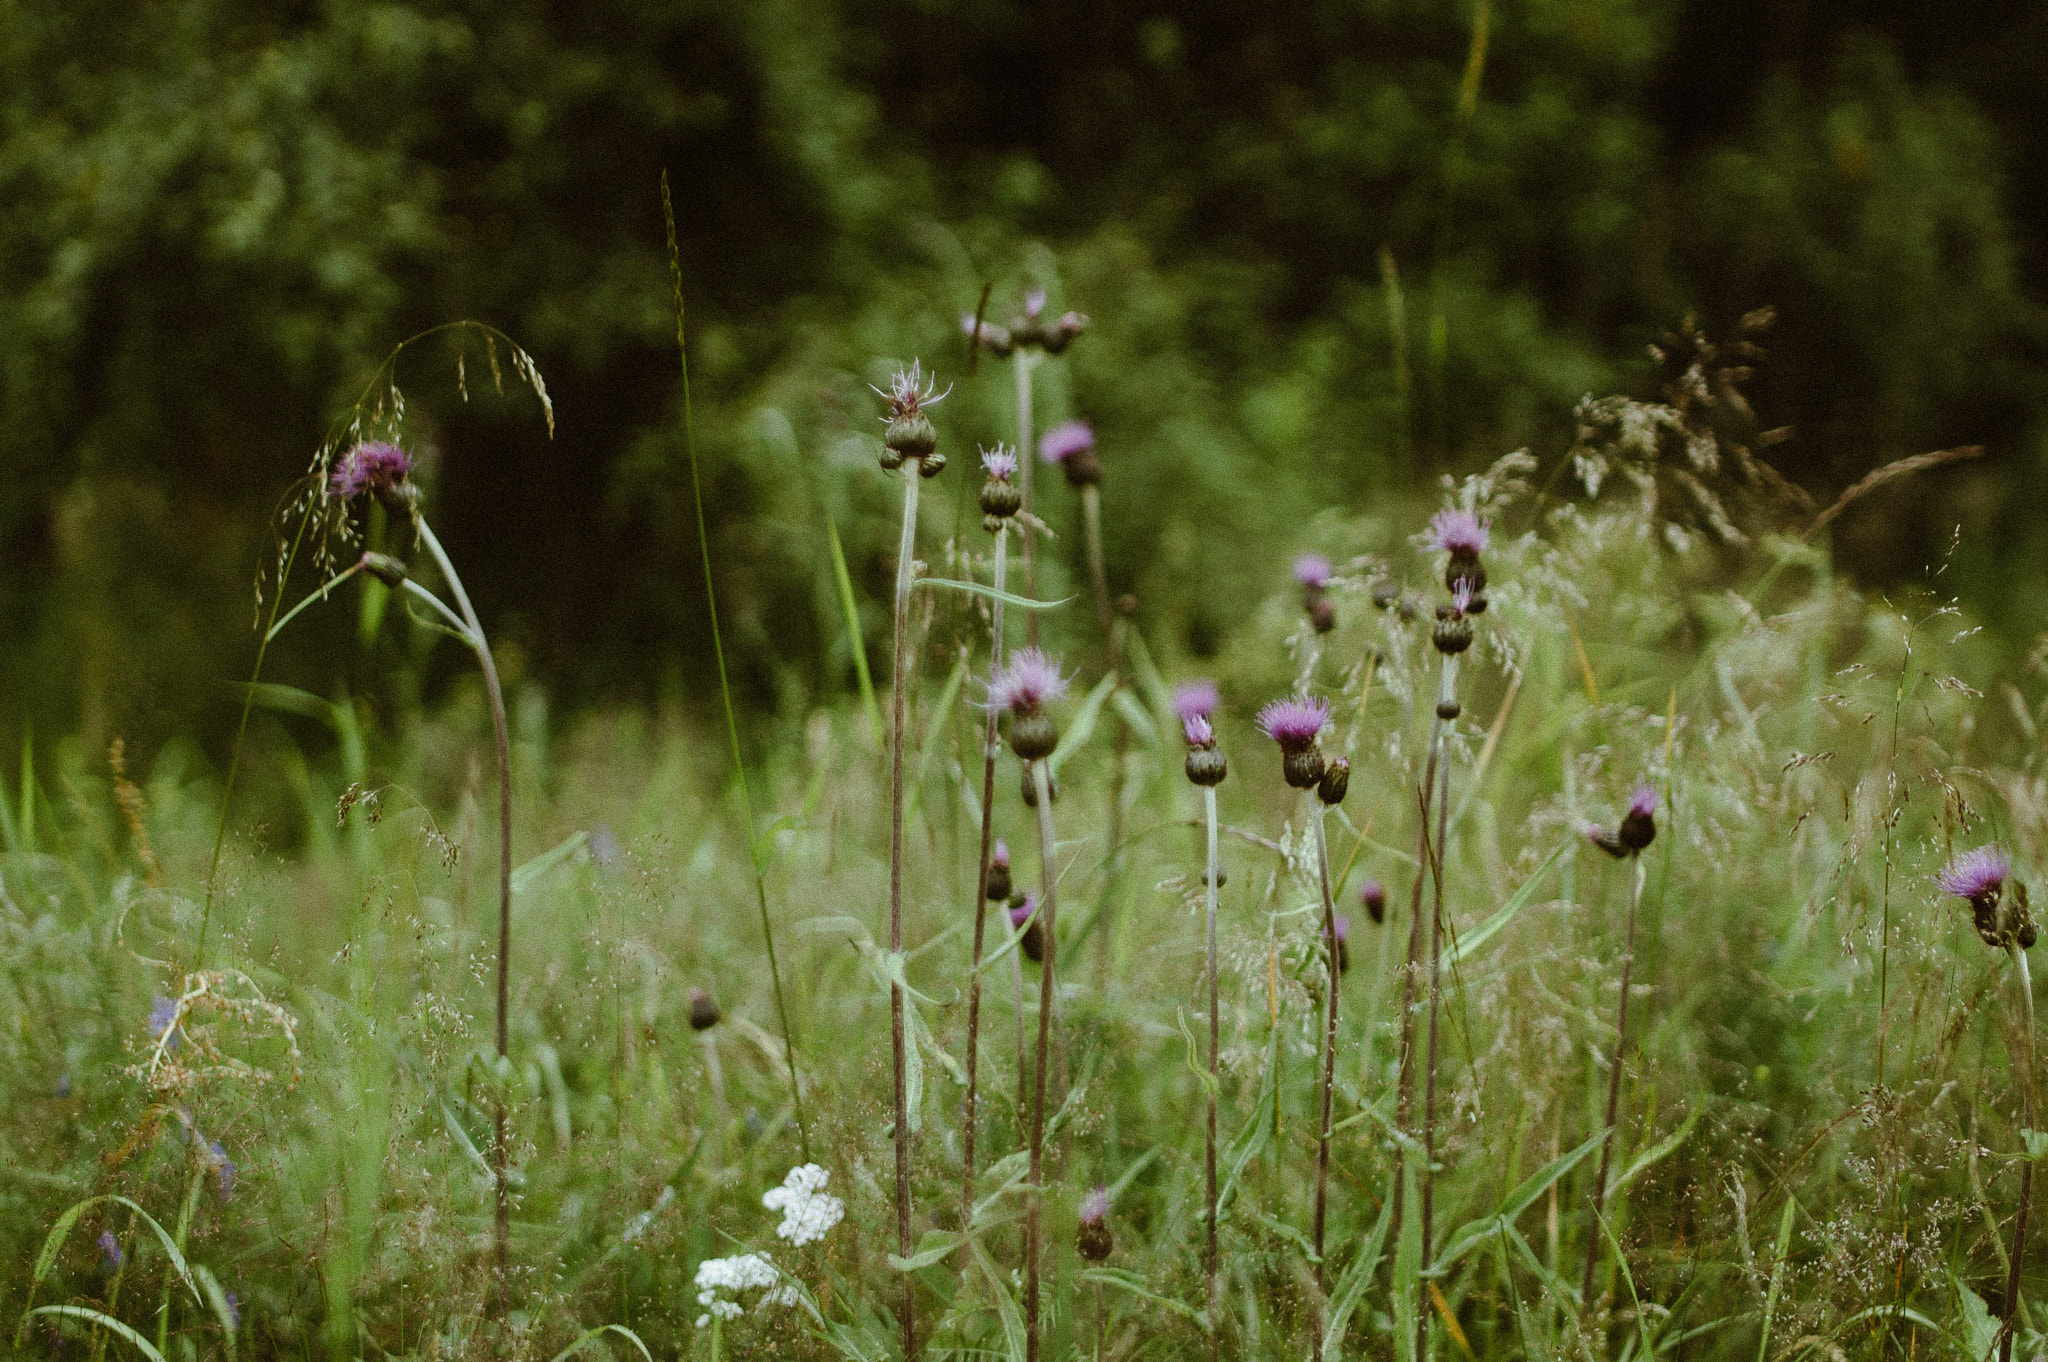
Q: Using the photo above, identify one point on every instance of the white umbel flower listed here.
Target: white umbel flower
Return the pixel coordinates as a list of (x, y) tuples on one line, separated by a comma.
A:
[(807, 1212), (743, 1272)]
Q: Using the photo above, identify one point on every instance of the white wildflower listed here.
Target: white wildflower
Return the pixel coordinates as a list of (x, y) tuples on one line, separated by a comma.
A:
[(807, 1212), (743, 1272)]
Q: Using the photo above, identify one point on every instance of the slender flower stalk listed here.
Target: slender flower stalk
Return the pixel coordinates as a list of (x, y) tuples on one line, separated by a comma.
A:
[(1000, 499), (1071, 446), (2003, 919), (1638, 829), (1025, 688), (1195, 703), (911, 444), (1330, 792), (1461, 536)]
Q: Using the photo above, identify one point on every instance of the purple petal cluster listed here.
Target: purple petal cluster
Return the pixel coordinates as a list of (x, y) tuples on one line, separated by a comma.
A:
[(1065, 440), (1000, 856), (1457, 533), (910, 392), (1975, 874), (1295, 722), (1198, 731), (369, 466), (1027, 684), (1312, 570), (1196, 699), (1021, 914), (1642, 801), (1095, 1206), (1343, 927), (999, 463)]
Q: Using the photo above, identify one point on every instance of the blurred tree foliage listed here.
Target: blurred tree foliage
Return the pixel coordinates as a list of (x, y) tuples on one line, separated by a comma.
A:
[(1330, 249)]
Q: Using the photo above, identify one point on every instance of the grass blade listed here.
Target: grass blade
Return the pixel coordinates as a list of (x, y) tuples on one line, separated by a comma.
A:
[(107, 1322), (855, 640)]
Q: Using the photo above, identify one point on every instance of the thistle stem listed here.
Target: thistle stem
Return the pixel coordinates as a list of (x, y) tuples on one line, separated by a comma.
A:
[(1329, 1065), (501, 1222), (1628, 957), (1213, 1258), (1425, 795), (990, 747), (1027, 454), (2019, 1225), (899, 704), (1436, 956), (1112, 642), (1049, 948)]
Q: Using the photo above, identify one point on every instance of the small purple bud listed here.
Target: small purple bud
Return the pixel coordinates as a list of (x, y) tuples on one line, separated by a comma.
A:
[(1001, 855), (1065, 440), (1312, 570), (110, 1247), (1095, 1240), (1343, 943), (1373, 895)]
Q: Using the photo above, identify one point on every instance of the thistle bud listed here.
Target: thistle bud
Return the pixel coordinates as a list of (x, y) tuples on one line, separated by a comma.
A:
[(932, 464), (1094, 1240), (1024, 913), (1452, 636), (1639, 824), (1000, 498), (385, 569), (1295, 724), (912, 435), (999, 871), (1063, 332), (909, 433), (1343, 943), (1025, 687), (1322, 614), (1207, 766), (1033, 736), (1374, 896), (704, 1013), (1386, 594), (1335, 781)]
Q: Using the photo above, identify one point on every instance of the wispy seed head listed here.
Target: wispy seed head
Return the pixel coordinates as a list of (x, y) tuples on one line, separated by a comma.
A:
[(910, 392)]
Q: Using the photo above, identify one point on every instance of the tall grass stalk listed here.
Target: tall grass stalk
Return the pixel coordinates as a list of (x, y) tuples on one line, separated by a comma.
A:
[(1049, 949), (1636, 875), (899, 704), (1024, 361), (1329, 1076), (1112, 642), (991, 747), (501, 1217), (1212, 1257), (732, 727), (2023, 1055), (1433, 866)]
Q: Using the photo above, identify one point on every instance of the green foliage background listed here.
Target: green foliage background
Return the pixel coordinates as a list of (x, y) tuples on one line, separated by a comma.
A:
[(217, 216)]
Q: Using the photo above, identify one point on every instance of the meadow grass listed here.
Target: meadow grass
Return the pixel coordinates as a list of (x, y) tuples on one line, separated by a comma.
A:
[(1818, 1139)]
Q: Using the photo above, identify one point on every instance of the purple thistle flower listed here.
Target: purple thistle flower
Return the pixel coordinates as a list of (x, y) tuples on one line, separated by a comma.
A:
[(163, 1022), (1461, 597), (1196, 699), (111, 1247), (1065, 440), (1000, 463), (1029, 681), (1295, 722), (1197, 730), (1095, 1206), (1312, 570), (910, 392), (1000, 856), (1343, 928), (1457, 533), (1975, 874), (1022, 913), (1642, 800), (370, 466)]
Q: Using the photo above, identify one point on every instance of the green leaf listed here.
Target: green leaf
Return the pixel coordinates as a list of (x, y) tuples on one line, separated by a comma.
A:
[(1662, 1150), (934, 1247), (1777, 1277), (2037, 1143), (591, 1336), (107, 1322), (218, 1299), (1524, 1196), (55, 1240), (1407, 1287), (1144, 1160), (1469, 943), (855, 641), (1007, 598), (1978, 1322), (1195, 1065), (1134, 714), (1357, 1275), (1257, 1130), (1006, 1308), (1083, 726), (1133, 1283), (524, 874)]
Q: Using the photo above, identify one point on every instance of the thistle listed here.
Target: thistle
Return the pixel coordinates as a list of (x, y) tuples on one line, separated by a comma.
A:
[(1026, 342), (1024, 689), (1295, 724), (2004, 921), (1000, 500), (1195, 702), (1313, 571), (1638, 829), (909, 443)]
